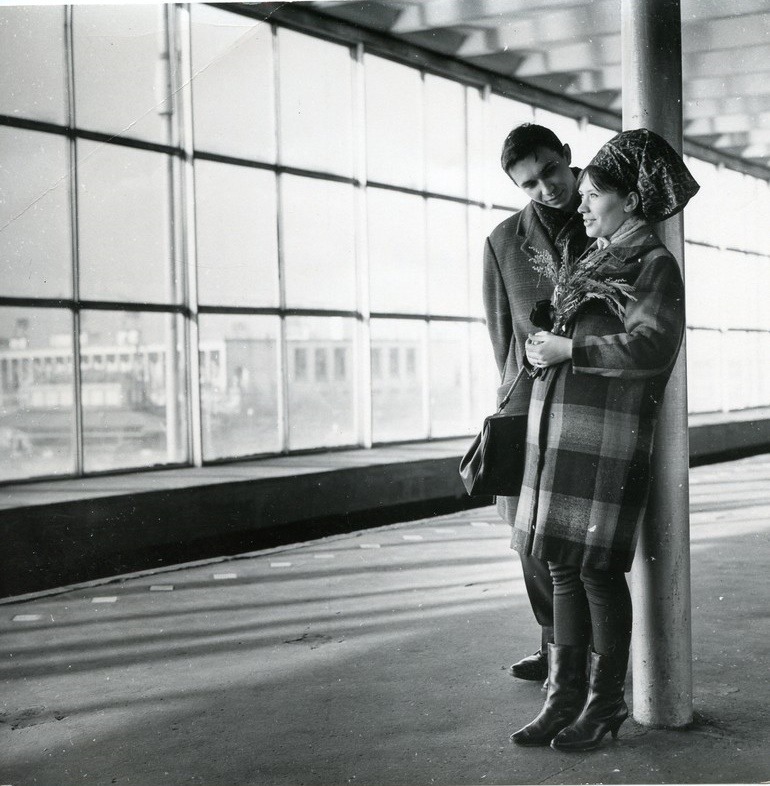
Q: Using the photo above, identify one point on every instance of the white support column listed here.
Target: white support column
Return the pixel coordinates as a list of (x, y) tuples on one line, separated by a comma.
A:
[(662, 646)]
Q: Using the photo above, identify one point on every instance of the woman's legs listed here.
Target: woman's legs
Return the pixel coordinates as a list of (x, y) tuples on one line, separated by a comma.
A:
[(590, 603), (610, 608), (609, 603), (566, 660), (571, 612)]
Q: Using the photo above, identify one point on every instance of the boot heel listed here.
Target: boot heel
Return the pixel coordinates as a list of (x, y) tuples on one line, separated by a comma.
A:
[(615, 727)]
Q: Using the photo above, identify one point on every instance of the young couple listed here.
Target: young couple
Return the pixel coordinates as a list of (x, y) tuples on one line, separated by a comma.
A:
[(583, 263)]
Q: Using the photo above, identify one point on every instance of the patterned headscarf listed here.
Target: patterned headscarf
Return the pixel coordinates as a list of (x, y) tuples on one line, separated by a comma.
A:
[(644, 162)]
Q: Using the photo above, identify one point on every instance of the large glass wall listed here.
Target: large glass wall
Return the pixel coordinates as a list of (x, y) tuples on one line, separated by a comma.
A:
[(211, 250)]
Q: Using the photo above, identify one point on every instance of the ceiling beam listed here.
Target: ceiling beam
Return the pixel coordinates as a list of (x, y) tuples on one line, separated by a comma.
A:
[(725, 104), (454, 13), (727, 124), (739, 85), (756, 136)]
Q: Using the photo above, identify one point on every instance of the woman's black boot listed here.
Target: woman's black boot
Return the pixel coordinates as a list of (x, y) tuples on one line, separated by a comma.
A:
[(605, 708), (566, 695)]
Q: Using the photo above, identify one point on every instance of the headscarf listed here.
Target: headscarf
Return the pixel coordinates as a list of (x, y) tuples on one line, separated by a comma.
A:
[(644, 162)]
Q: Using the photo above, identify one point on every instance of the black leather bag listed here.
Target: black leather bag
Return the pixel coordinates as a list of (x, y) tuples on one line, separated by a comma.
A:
[(494, 463)]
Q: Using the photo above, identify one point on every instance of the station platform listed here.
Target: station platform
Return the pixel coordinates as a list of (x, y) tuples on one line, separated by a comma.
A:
[(377, 656)]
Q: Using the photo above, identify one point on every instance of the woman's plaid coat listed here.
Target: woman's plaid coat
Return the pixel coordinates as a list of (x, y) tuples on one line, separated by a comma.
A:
[(591, 421)]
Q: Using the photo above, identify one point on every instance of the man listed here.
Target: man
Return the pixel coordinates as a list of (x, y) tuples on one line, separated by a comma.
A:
[(539, 164)]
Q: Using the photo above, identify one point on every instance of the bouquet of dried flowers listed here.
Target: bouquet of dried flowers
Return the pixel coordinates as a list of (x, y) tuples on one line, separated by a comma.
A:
[(594, 277)]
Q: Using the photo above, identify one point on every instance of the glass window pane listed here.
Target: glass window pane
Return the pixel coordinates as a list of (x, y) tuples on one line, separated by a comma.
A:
[(124, 224), (394, 124), (237, 237), (133, 388), (734, 201), (503, 115), (478, 229), (318, 231), (239, 380), (322, 404), (485, 377), (122, 70), (233, 84), (585, 145), (36, 235), (738, 303), (397, 259), (756, 209), (741, 379), (37, 417), (445, 136), (764, 371), (399, 400), (566, 128), (704, 279), (316, 92), (703, 214), (705, 378), (447, 258), (477, 163), (38, 87), (450, 396)]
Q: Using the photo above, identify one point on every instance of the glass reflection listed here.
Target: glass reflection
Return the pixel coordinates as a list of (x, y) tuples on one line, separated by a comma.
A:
[(399, 406), (37, 417), (322, 382), (447, 258), (237, 242), (318, 232), (239, 373), (394, 123), (450, 397), (397, 258), (38, 87), (318, 98), (233, 84), (122, 70), (133, 389), (124, 211), (445, 136), (35, 229)]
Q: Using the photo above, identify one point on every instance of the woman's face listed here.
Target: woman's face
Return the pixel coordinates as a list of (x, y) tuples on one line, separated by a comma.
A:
[(603, 211)]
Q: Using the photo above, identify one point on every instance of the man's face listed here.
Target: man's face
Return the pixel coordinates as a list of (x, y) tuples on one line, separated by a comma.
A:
[(545, 177)]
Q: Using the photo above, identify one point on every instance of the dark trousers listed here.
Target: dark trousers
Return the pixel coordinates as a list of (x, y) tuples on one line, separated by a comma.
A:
[(537, 580), (591, 604)]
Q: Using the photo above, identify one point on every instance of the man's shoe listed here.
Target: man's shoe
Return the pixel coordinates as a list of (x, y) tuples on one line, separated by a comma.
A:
[(533, 667)]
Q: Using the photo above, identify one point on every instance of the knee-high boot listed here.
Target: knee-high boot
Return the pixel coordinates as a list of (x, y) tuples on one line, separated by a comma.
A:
[(566, 695), (605, 708)]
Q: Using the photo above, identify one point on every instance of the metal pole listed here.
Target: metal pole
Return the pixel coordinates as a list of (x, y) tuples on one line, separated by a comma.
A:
[(662, 646)]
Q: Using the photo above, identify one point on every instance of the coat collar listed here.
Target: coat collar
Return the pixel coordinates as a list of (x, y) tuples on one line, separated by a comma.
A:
[(637, 243)]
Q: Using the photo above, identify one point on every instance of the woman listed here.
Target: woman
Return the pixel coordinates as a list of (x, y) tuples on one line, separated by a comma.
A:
[(618, 316)]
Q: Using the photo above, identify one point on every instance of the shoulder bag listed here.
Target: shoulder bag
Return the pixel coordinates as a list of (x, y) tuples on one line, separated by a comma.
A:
[(494, 463)]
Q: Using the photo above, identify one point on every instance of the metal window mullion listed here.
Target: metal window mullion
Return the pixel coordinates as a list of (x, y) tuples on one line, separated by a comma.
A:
[(69, 46), (364, 332), (283, 348), (172, 338), (189, 242), (426, 398)]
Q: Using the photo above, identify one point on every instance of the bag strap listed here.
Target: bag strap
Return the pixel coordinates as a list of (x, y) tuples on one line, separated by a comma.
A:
[(508, 395)]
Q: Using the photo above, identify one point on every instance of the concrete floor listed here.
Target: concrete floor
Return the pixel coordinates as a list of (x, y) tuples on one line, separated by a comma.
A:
[(378, 657)]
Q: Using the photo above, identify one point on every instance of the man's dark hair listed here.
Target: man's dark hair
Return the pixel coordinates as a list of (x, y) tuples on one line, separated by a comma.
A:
[(524, 140)]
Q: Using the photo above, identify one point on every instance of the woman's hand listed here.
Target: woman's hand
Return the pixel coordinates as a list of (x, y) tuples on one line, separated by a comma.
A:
[(545, 349)]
